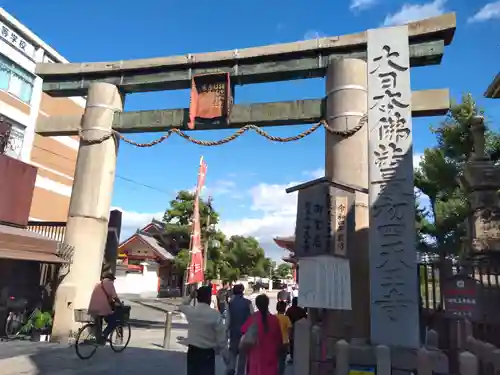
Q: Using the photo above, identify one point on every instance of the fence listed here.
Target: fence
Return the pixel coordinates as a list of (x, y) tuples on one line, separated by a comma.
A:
[(54, 230), (486, 329)]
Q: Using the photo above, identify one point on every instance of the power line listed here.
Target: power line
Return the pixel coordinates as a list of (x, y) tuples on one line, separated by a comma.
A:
[(117, 175), (142, 184)]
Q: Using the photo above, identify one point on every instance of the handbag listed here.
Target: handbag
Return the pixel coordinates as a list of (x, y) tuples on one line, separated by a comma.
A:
[(249, 339)]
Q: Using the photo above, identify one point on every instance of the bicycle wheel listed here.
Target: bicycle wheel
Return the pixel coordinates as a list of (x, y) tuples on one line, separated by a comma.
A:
[(86, 343), (120, 337)]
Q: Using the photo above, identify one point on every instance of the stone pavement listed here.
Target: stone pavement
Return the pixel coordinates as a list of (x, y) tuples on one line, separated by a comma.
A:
[(144, 354)]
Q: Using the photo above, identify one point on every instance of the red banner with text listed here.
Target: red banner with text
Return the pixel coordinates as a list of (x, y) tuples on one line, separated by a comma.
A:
[(196, 274)]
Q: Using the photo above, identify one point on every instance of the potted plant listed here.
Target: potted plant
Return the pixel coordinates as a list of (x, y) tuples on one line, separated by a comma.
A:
[(39, 326)]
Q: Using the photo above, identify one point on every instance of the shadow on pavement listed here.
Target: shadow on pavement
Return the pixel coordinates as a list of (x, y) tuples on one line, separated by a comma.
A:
[(139, 323), (144, 361)]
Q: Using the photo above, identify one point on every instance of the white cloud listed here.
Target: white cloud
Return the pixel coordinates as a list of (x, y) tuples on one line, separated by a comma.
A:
[(358, 5), (488, 12), (275, 214), (313, 34), (316, 173), (415, 12), (417, 158)]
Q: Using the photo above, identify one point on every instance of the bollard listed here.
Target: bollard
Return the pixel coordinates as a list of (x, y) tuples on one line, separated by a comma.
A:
[(168, 330)]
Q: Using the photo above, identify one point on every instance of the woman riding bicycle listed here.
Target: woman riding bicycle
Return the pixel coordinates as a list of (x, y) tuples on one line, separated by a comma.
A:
[(103, 304)]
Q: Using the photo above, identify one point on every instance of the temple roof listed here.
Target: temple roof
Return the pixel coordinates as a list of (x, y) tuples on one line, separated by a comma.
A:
[(155, 246), (287, 243), (153, 235), (493, 90)]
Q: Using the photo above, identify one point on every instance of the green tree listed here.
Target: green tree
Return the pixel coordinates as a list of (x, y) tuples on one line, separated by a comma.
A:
[(283, 271), (178, 223), (441, 227), (228, 259), (245, 257)]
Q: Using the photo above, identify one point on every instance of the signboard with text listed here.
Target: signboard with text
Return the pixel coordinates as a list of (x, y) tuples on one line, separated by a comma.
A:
[(462, 295), (325, 220)]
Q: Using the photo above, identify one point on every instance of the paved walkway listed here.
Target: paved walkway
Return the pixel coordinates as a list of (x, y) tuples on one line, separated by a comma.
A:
[(144, 354)]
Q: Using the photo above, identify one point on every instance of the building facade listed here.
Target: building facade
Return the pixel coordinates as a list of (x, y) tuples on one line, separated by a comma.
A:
[(22, 102)]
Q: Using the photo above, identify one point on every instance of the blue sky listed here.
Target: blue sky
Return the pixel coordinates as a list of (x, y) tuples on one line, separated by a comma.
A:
[(247, 177)]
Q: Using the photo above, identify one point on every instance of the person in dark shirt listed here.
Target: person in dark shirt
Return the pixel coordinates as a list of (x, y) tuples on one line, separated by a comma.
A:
[(284, 295), (239, 310), (294, 313), (223, 299)]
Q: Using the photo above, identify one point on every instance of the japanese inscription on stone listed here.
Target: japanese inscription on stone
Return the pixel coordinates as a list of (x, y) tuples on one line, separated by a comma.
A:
[(313, 231), (340, 225), (394, 289), (15, 40)]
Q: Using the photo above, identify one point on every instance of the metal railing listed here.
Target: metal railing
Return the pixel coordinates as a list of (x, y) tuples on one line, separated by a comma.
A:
[(53, 230)]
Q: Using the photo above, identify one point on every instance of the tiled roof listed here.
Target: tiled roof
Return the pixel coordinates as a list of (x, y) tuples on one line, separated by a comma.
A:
[(162, 253), (493, 90)]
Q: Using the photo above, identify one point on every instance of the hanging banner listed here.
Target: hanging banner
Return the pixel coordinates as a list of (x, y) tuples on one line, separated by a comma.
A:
[(211, 98), (196, 264)]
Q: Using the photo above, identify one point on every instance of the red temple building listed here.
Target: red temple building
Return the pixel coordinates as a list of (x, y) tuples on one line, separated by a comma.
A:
[(151, 249), (288, 243)]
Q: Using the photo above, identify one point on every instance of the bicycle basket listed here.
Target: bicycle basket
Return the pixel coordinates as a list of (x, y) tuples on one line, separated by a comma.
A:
[(83, 316), (123, 313)]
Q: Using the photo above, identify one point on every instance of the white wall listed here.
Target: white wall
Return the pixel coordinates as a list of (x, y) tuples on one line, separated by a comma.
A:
[(143, 284)]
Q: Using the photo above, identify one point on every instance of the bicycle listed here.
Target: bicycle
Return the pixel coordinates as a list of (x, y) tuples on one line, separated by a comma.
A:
[(17, 318), (88, 335)]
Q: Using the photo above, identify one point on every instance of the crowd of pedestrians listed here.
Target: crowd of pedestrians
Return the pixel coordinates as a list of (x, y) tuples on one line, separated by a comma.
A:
[(250, 342)]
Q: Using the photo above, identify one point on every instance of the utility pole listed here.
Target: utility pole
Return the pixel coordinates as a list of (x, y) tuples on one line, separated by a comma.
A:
[(271, 276)]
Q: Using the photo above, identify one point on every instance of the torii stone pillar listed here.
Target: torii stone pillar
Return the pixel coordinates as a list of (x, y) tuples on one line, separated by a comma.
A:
[(87, 225), (347, 162)]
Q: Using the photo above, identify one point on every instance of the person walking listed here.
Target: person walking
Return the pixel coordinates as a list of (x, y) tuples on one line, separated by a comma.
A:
[(294, 313), (223, 299), (284, 295), (286, 326), (263, 354), (238, 312), (206, 333)]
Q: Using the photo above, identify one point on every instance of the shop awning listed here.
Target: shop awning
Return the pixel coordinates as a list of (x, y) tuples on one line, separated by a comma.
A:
[(22, 244)]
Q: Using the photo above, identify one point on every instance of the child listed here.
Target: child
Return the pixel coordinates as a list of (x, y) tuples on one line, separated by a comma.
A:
[(285, 325)]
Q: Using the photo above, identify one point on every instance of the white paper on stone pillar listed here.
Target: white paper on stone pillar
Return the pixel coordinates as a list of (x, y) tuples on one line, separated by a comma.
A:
[(325, 282)]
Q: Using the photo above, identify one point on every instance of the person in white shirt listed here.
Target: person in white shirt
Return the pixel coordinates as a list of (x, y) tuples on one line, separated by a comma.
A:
[(206, 333), (295, 291)]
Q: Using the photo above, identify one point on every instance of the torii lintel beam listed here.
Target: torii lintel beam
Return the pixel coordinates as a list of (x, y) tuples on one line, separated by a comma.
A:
[(424, 103), (305, 59)]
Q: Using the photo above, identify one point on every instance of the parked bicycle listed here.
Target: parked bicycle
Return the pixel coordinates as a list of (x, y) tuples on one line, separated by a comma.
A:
[(18, 317), (88, 338)]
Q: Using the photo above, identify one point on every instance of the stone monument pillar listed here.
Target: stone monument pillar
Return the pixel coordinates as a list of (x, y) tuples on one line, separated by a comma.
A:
[(347, 163), (482, 178), (87, 225)]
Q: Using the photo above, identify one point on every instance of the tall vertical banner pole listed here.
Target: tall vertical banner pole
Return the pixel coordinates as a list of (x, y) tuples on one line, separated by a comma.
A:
[(196, 274)]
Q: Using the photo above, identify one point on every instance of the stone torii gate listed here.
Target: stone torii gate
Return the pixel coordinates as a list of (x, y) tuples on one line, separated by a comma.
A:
[(341, 59)]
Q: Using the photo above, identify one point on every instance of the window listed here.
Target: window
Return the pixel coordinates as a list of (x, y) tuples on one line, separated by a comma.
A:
[(4, 135), (11, 138), (15, 80)]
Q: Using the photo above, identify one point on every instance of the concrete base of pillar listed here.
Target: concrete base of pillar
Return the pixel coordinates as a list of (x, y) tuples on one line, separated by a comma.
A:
[(64, 325)]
